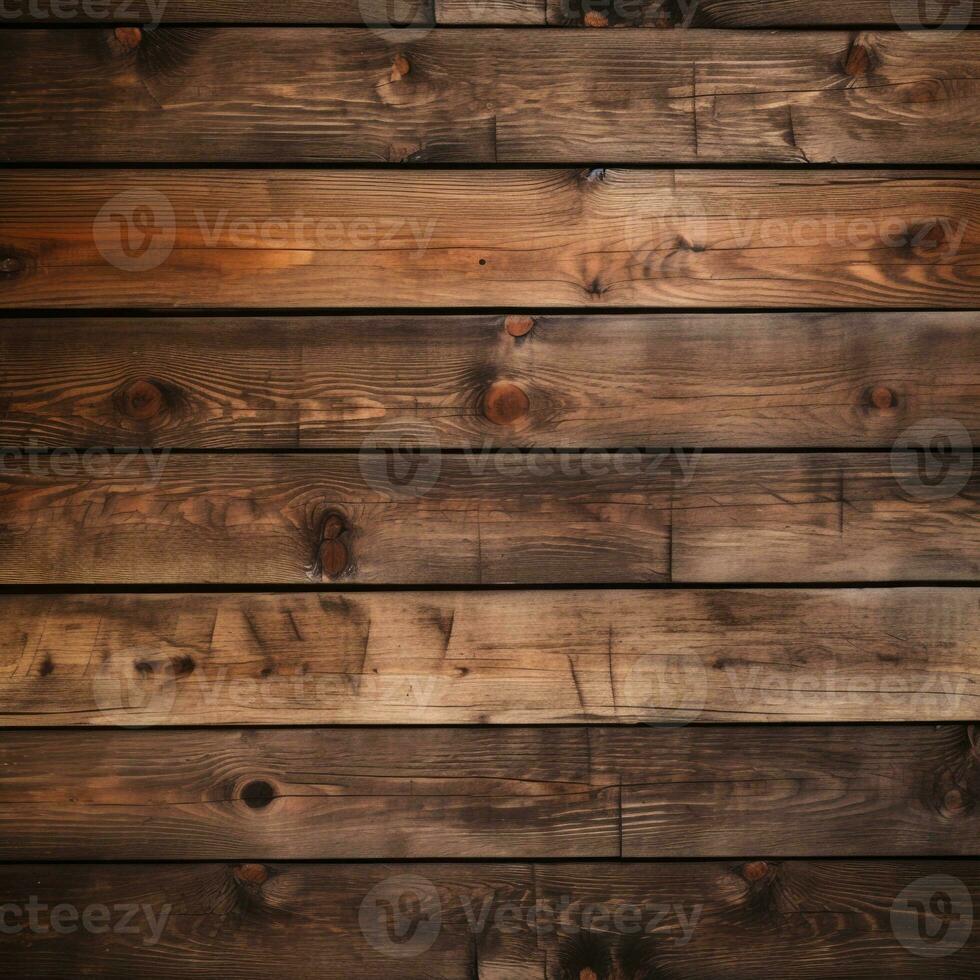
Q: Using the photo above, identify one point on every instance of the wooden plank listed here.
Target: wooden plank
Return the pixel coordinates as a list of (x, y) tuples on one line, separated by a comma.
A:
[(604, 381), (383, 13), (853, 920), (307, 793), (488, 518), (525, 657), (709, 791), (888, 14), (217, 95), (519, 237)]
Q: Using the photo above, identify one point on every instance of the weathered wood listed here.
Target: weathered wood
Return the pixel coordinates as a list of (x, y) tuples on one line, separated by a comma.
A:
[(852, 920), (520, 657), (483, 518), (888, 14), (603, 381), (383, 13), (544, 237), (708, 791), (224, 94)]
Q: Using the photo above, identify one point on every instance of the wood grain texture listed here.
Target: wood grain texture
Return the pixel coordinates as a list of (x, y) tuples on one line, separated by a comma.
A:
[(383, 13), (691, 921), (219, 95), (483, 518), (297, 238), (603, 381), (889, 14), (387, 794), (523, 657)]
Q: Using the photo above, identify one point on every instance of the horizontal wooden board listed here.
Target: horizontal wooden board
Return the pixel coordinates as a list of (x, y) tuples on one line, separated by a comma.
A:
[(853, 920), (488, 518), (514, 657), (218, 95), (489, 792), (296, 238), (602, 381)]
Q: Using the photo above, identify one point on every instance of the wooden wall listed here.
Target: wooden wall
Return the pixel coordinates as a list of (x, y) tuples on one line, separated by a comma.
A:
[(488, 490)]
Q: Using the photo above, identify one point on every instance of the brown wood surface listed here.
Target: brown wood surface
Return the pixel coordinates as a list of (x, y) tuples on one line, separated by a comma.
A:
[(484, 518), (503, 657), (311, 95), (851, 920), (601, 381), (298, 238), (708, 791)]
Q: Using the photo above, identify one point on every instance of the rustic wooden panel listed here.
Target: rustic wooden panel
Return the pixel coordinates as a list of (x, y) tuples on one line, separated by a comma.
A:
[(485, 518), (479, 792), (187, 94), (519, 657), (385, 13), (544, 237), (745, 13), (307, 793), (852, 920), (604, 381)]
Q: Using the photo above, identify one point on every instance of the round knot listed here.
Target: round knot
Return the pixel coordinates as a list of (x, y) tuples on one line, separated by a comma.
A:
[(258, 794), (142, 400), (883, 398), (755, 870), (596, 18), (505, 404), (401, 67), (251, 874), (128, 37), (519, 326)]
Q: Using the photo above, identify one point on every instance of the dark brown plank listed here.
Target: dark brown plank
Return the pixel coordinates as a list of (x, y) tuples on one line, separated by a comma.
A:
[(218, 95), (909, 14), (519, 657), (349, 793), (853, 920), (487, 518), (604, 381), (708, 791), (383, 13), (519, 237)]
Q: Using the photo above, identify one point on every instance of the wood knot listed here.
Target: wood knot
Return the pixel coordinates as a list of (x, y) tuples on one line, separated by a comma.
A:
[(955, 803), (333, 556), (251, 874), (401, 67), (142, 400), (128, 38), (11, 266), (595, 18), (504, 403), (519, 326), (859, 60), (258, 794), (755, 870), (882, 398)]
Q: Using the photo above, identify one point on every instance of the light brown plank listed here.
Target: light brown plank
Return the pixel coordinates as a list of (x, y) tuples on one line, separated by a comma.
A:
[(852, 920), (603, 381), (544, 237), (707, 791), (483, 518), (218, 95), (520, 657)]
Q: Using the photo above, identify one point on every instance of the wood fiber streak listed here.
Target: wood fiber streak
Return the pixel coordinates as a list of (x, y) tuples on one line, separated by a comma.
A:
[(299, 238), (604, 381), (692, 921), (521, 657), (321, 95)]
